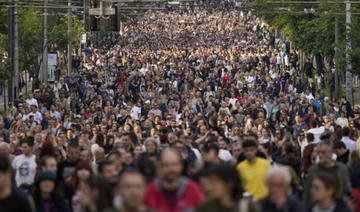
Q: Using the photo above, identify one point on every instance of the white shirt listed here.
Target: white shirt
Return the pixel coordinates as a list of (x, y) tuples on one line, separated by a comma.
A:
[(225, 155), (343, 122), (32, 101), (317, 132), (135, 113), (349, 143), (25, 168)]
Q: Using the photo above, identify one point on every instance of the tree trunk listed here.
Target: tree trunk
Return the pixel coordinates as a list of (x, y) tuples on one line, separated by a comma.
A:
[(319, 63), (349, 87)]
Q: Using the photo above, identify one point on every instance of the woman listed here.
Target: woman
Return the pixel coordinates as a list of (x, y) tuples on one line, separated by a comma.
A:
[(221, 186), (324, 193), (354, 172), (47, 196), (82, 173)]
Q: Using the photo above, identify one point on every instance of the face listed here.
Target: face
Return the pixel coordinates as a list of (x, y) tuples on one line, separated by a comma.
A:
[(250, 153), (132, 190), (325, 153), (47, 186), (277, 187), (51, 165), (170, 166), (150, 146), (222, 145), (214, 188), (26, 149), (319, 192), (110, 173), (83, 174), (73, 154)]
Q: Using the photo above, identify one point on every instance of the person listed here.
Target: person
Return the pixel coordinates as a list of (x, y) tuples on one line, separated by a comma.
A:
[(107, 171), (327, 163), (25, 164), (11, 199), (341, 152), (67, 168), (171, 192), (325, 195), (349, 143), (47, 195), (278, 181), (253, 171), (221, 186), (131, 190)]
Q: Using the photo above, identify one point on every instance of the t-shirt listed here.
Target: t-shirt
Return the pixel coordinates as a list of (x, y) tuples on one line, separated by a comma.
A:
[(135, 112), (25, 168), (253, 177)]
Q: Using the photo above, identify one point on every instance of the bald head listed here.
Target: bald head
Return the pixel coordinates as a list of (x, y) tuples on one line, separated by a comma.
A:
[(170, 167), (4, 149)]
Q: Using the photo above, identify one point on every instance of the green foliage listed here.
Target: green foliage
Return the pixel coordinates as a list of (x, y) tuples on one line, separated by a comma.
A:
[(314, 33), (58, 35)]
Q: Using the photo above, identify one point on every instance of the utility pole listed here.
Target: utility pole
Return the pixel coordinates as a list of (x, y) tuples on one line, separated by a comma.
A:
[(69, 47), (336, 57), (348, 74), (44, 73), (13, 52)]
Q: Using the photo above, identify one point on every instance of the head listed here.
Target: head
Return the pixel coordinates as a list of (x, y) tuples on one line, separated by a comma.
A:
[(131, 188), (219, 181), (324, 187), (170, 168), (27, 146), (49, 163), (324, 152), (278, 180), (249, 148), (211, 153), (73, 152), (339, 148), (107, 170)]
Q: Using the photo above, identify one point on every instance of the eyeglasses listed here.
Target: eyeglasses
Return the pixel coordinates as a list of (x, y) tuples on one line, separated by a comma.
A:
[(316, 187)]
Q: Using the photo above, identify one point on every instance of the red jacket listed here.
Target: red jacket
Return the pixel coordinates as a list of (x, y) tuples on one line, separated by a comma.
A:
[(188, 196)]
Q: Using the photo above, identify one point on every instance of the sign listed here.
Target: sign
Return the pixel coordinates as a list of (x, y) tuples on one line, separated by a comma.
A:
[(52, 64)]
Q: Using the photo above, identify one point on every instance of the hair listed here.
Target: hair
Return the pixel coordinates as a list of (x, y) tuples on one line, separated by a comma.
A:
[(102, 163), (339, 145), (5, 165), (211, 147), (354, 159), (29, 141), (44, 159), (279, 170), (249, 143), (346, 131), (310, 137), (330, 181), (130, 171), (227, 173)]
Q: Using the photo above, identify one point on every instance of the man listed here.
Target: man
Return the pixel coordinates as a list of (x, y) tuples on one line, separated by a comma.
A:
[(131, 188), (278, 181), (326, 163), (107, 170), (67, 167), (349, 143), (341, 152), (171, 192), (10, 198), (253, 170), (25, 164)]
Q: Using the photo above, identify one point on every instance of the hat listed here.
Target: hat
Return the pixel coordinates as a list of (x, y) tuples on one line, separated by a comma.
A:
[(47, 175)]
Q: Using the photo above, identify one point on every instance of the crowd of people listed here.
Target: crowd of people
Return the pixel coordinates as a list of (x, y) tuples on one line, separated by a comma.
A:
[(191, 109)]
